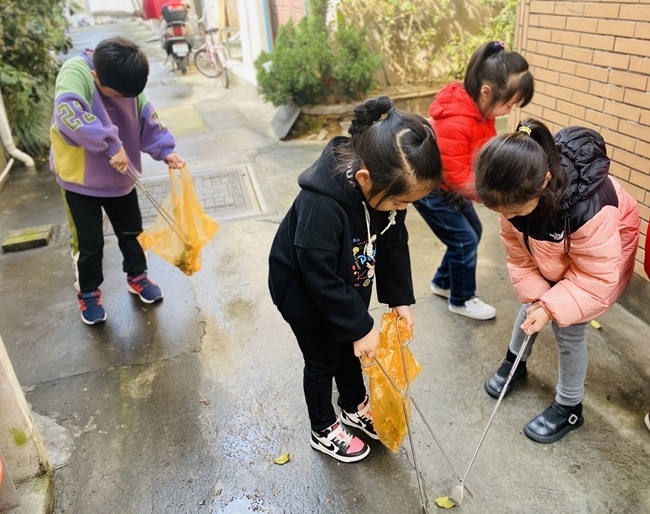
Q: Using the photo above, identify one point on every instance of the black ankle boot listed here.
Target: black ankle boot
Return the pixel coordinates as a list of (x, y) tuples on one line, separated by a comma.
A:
[(554, 423), (494, 384)]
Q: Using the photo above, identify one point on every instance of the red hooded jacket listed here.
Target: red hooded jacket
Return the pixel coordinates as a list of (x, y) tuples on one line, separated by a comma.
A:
[(461, 131)]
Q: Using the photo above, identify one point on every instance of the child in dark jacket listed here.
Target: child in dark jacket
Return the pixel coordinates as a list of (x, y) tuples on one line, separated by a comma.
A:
[(345, 227), (570, 232), (102, 121)]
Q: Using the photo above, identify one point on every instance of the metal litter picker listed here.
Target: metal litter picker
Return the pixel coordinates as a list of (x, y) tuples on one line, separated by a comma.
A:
[(391, 372), (458, 492)]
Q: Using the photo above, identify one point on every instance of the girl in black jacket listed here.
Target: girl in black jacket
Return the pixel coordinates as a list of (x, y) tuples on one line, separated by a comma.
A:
[(344, 227)]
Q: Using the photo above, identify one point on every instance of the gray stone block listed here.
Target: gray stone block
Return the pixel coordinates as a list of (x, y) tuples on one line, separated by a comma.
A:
[(27, 238)]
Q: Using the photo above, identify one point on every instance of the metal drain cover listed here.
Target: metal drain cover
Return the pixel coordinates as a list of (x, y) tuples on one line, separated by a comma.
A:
[(225, 193)]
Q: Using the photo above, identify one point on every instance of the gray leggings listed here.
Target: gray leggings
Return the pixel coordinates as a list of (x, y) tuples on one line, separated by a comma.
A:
[(572, 357)]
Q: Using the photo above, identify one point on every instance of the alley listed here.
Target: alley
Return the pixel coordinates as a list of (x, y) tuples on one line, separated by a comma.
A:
[(181, 407)]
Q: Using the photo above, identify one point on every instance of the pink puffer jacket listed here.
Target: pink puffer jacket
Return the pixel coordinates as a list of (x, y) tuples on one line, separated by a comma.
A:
[(594, 274), (577, 286)]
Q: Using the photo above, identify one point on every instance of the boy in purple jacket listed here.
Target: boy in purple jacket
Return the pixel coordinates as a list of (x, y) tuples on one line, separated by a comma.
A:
[(102, 120)]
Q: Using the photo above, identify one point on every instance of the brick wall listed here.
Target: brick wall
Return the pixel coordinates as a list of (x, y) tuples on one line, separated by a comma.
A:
[(591, 63)]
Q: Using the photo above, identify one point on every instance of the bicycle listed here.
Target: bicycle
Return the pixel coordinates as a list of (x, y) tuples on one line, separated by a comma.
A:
[(210, 59)]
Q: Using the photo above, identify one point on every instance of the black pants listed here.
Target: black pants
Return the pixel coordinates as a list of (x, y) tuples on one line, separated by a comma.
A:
[(325, 359), (87, 236)]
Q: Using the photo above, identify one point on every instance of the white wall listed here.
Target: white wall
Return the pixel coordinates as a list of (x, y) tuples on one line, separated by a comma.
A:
[(255, 30), (211, 14), (20, 442)]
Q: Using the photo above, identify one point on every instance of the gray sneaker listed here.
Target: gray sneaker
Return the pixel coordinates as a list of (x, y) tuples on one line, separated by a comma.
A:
[(475, 308)]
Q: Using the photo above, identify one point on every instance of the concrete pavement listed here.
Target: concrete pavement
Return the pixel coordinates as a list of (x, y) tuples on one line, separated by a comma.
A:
[(181, 407)]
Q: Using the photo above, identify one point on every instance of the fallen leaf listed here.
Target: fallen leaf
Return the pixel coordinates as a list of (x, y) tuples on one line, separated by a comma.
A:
[(596, 325), (282, 459), (445, 502)]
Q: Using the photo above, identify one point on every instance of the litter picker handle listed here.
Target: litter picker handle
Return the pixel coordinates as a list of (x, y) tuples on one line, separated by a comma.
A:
[(503, 393)]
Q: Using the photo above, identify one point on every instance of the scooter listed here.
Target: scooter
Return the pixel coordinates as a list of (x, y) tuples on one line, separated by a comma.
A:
[(176, 40)]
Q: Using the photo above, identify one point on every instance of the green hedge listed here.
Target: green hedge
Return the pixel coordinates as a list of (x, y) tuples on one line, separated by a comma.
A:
[(32, 33), (310, 65)]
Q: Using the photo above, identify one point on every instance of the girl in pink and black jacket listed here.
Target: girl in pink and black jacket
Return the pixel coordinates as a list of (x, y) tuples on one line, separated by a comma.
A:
[(571, 233)]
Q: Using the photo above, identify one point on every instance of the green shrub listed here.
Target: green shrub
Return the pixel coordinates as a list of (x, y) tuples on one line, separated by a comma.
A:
[(308, 65), (354, 64), (31, 33), (501, 28), (425, 43)]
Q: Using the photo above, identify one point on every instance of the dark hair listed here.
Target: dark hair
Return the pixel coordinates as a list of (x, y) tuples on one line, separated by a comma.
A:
[(510, 169), (504, 70), (121, 65), (399, 151)]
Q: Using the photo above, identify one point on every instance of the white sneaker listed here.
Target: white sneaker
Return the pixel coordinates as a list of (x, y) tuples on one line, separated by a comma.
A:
[(474, 308), (647, 420), (445, 293)]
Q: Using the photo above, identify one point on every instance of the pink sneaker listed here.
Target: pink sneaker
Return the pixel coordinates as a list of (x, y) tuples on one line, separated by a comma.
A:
[(337, 442), (362, 419)]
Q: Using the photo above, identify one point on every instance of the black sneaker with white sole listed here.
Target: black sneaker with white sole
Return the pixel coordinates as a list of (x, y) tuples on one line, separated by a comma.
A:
[(362, 419), (337, 442)]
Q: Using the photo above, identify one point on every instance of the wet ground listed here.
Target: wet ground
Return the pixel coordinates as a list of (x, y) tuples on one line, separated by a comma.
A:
[(182, 407)]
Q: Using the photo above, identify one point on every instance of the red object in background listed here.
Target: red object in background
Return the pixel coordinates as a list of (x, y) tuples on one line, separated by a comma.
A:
[(646, 262), (152, 9)]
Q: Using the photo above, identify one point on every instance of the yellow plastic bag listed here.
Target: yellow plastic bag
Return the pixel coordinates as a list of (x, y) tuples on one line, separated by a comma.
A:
[(179, 235), (387, 394)]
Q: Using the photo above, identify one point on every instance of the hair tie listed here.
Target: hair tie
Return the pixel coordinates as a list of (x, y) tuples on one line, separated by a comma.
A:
[(524, 129), (499, 45)]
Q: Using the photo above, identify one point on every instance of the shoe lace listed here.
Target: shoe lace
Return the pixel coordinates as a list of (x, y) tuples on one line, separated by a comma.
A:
[(365, 414), (92, 299), (342, 438), (140, 281), (366, 417)]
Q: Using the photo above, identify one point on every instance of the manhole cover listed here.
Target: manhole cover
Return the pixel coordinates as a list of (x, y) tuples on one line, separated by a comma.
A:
[(225, 193)]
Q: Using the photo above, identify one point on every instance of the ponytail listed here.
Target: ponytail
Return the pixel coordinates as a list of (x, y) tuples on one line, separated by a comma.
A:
[(367, 113), (511, 169), (504, 70), (551, 195), (399, 150), (473, 75)]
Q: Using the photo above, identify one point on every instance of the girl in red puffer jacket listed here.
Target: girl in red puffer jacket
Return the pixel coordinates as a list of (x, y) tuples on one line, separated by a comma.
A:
[(462, 117)]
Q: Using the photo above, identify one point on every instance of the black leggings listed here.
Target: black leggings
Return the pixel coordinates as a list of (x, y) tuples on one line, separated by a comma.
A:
[(326, 359), (85, 219)]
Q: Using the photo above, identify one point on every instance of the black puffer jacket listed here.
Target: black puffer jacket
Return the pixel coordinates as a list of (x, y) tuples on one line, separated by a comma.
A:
[(585, 162)]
